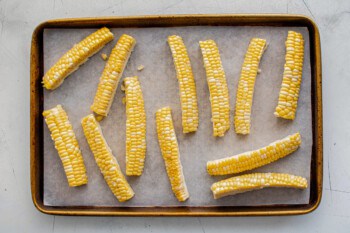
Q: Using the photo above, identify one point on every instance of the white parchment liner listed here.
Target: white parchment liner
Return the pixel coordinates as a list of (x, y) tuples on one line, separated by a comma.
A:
[(160, 88)]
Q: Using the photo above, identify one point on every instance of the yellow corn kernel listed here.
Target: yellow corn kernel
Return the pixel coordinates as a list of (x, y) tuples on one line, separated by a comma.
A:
[(111, 74), (254, 159), (255, 181), (104, 56), (140, 67), (219, 97), (75, 57), (187, 85), (67, 145), (170, 151), (245, 92), (135, 127), (292, 77), (104, 158)]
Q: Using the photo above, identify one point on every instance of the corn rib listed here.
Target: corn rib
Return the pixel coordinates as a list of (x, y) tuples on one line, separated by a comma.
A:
[(135, 127), (254, 159), (219, 97), (170, 151), (255, 181), (292, 77), (245, 92), (75, 57), (67, 145), (105, 160), (187, 85), (111, 74)]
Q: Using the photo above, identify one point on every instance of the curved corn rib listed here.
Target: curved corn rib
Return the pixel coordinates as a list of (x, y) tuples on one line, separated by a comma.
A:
[(187, 85), (219, 97), (135, 127), (245, 92), (254, 159), (250, 182), (67, 145), (292, 77), (111, 74), (75, 57), (170, 151), (107, 163)]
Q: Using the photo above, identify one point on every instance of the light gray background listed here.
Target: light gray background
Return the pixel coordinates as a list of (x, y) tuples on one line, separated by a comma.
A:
[(160, 88), (19, 18)]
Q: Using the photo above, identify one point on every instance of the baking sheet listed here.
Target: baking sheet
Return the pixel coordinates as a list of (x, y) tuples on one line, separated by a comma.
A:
[(160, 88)]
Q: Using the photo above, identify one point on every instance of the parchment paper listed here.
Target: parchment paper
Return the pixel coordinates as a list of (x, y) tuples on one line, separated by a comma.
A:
[(160, 88)]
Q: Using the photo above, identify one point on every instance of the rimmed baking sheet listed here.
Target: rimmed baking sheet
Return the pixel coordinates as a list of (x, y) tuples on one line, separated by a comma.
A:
[(160, 88)]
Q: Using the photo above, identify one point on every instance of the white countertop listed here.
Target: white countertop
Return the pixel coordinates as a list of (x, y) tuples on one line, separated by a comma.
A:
[(17, 22)]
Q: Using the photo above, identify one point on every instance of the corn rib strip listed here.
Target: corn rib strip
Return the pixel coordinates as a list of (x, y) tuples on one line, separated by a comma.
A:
[(75, 57), (105, 160), (171, 154), (111, 74), (254, 159), (187, 85), (255, 181), (292, 77), (245, 92), (219, 97), (135, 127), (67, 145)]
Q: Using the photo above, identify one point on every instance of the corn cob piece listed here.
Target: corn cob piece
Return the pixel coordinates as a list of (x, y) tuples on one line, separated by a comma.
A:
[(254, 159), (245, 92), (66, 145), (292, 77), (170, 151), (111, 74), (135, 127), (75, 57), (219, 97), (107, 163), (187, 85), (250, 182)]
